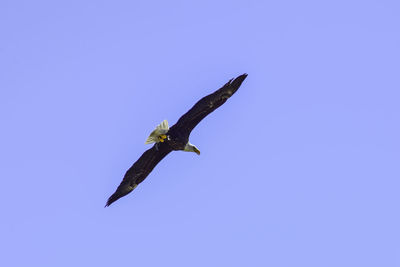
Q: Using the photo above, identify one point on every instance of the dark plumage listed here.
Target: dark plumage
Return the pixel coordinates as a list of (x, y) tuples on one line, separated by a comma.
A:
[(177, 138)]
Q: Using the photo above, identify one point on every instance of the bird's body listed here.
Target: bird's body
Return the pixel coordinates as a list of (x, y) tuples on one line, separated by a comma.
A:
[(175, 138)]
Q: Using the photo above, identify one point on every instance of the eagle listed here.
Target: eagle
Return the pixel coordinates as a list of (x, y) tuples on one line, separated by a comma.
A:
[(167, 139)]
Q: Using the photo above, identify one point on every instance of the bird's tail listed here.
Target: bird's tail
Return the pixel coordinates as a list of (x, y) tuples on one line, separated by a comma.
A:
[(162, 128)]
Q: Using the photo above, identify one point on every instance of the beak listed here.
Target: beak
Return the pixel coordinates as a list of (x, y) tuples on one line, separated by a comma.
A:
[(196, 150)]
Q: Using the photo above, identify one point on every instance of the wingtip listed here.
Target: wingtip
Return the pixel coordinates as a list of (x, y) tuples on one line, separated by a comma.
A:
[(122, 190), (114, 197), (241, 77), (109, 202), (236, 82)]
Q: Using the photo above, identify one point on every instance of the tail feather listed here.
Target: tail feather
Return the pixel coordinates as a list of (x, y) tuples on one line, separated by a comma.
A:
[(162, 128)]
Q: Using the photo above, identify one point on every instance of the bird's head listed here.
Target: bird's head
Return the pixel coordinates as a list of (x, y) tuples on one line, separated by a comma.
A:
[(191, 148)]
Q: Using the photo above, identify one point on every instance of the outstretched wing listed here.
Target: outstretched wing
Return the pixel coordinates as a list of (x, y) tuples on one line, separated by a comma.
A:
[(207, 104), (139, 170)]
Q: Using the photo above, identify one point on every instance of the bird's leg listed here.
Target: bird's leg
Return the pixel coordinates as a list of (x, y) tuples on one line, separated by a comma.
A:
[(162, 138)]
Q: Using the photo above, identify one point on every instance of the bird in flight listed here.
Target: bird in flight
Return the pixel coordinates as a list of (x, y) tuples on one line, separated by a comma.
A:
[(168, 139)]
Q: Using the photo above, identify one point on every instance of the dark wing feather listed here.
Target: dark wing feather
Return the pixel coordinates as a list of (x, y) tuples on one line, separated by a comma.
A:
[(207, 104), (140, 170)]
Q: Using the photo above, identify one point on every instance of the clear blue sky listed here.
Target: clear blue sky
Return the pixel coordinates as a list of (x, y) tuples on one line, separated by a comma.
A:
[(299, 168)]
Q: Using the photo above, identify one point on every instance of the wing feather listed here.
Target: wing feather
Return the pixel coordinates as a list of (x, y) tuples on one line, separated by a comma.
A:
[(139, 171), (208, 104)]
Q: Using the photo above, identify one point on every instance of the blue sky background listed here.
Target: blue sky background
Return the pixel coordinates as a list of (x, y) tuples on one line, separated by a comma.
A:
[(299, 168)]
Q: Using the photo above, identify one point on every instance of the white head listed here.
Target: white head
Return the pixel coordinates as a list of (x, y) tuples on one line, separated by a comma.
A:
[(191, 148)]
